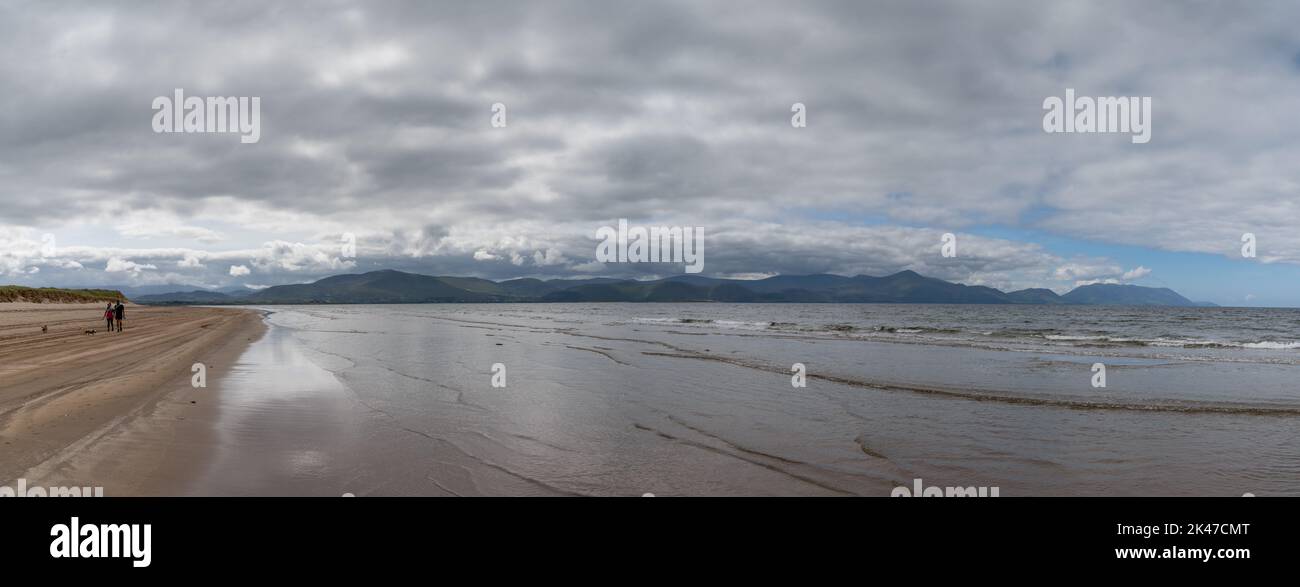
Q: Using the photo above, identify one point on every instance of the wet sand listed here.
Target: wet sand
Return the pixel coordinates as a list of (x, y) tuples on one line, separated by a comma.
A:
[(399, 400), (113, 410)]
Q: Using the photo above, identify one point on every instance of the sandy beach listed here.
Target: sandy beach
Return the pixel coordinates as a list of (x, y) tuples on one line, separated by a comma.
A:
[(697, 399), (625, 399), (113, 410)]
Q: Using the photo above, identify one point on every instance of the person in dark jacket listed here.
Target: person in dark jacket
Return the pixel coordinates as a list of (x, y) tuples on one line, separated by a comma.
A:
[(119, 312)]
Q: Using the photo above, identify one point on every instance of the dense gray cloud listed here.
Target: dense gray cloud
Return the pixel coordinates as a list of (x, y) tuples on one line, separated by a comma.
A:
[(924, 117)]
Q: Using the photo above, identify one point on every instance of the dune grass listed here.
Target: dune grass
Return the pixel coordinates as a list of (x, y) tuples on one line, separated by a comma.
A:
[(51, 295)]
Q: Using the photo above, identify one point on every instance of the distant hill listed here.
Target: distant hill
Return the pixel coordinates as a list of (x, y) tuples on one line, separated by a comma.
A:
[(903, 287), (1125, 295), (135, 291), (188, 297), (536, 288), (1036, 296), (236, 290), (51, 295), (396, 287), (381, 287)]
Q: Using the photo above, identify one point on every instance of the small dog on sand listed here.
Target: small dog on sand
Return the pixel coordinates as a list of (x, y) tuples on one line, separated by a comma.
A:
[(90, 332), (45, 329)]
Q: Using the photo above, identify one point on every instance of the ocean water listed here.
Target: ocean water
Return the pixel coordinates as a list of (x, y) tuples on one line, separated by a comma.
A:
[(697, 399)]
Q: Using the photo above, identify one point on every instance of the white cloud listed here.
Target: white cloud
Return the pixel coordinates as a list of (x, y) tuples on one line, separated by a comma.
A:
[(1109, 280), (118, 265), (239, 270), (1135, 273), (295, 257), (1100, 271), (938, 131), (155, 224), (1085, 270), (549, 258)]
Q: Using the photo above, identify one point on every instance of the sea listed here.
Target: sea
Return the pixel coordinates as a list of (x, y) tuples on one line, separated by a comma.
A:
[(706, 399)]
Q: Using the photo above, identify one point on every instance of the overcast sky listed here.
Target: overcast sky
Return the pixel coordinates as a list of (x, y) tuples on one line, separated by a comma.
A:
[(922, 118)]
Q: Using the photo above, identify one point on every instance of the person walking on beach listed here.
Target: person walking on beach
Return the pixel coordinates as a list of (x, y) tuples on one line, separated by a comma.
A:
[(108, 315), (119, 312)]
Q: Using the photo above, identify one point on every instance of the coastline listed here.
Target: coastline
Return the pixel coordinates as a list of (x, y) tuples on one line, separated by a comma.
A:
[(114, 410), (616, 400), (399, 400)]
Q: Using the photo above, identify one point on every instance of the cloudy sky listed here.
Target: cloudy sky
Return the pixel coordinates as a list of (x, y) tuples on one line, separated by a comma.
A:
[(922, 118)]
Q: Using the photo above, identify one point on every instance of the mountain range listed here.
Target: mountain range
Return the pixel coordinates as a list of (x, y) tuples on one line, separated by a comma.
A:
[(397, 287)]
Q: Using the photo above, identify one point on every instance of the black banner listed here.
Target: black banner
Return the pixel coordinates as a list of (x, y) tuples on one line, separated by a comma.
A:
[(321, 536)]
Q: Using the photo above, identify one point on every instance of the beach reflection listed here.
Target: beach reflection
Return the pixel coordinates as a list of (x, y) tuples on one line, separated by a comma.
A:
[(285, 425), (397, 400)]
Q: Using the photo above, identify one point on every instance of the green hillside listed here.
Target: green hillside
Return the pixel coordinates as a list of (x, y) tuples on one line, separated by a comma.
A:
[(51, 295)]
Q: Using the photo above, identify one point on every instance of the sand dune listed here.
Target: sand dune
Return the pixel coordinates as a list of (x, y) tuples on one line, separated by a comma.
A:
[(62, 389)]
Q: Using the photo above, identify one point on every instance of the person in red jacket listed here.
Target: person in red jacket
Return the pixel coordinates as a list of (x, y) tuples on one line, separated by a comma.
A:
[(108, 315)]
